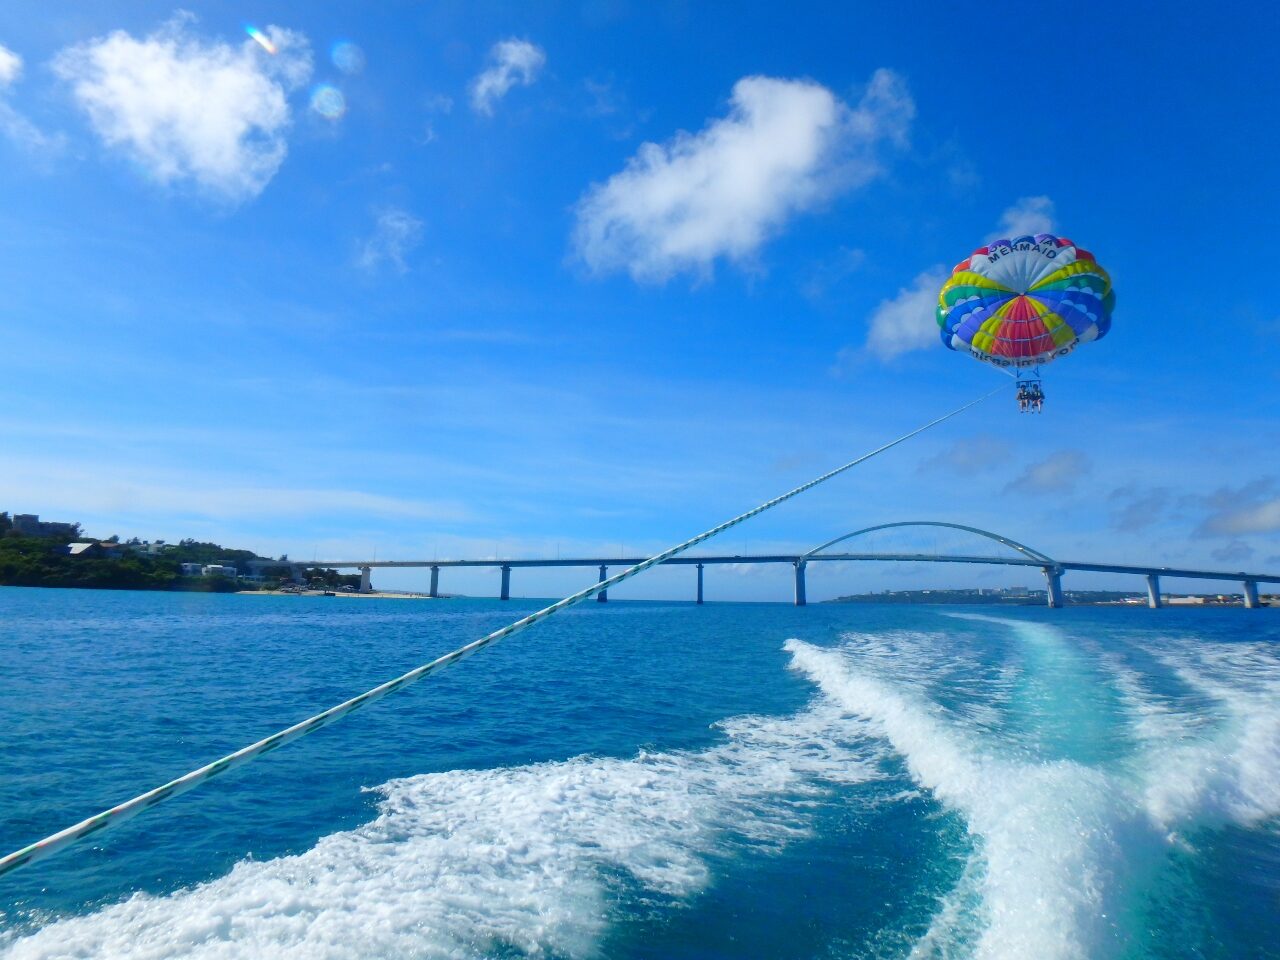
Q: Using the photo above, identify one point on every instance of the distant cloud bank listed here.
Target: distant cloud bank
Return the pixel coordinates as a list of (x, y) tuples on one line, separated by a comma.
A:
[(785, 146), (192, 111), (512, 63)]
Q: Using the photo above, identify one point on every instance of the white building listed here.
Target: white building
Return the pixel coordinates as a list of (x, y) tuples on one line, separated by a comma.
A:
[(218, 570)]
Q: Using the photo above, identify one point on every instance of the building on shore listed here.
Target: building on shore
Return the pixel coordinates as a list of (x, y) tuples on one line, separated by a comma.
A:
[(100, 550), (30, 525)]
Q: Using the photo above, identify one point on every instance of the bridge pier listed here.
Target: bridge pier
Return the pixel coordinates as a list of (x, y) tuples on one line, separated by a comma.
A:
[(506, 582), (366, 584), (1053, 584), (435, 582), (801, 599), (699, 600), (603, 595), (1153, 591), (1251, 594)]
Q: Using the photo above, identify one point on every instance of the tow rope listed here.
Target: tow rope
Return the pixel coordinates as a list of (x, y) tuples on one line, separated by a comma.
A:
[(131, 808)]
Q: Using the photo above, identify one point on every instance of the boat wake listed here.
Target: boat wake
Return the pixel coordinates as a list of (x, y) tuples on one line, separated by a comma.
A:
[(473, 863), (1077, 772), (1064, 845)]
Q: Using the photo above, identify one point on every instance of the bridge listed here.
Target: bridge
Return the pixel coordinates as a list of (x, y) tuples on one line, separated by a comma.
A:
[(1051, 569)]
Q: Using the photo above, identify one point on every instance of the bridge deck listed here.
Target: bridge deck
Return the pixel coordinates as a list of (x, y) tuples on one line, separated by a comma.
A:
[(1062, 565)]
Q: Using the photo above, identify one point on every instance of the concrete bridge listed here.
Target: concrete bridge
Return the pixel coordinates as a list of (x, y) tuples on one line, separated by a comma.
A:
[(1052, 569)]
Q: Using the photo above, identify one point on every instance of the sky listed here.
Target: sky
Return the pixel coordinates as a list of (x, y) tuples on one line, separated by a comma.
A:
[(458, 280)]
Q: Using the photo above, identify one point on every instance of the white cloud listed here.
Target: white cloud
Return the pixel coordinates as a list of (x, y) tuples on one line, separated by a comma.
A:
[(437, 103), (908, 321), (1141, 507), (969, 456), (188, 110), (1233, 551), (605, 100), (10, 67), (1027, 217), (785, 146), (22, 131), (14, 125), (1057, 472), (1252, 508), (1260, 518), (513, 62), (59, 487), (832, 271), (395, 233)]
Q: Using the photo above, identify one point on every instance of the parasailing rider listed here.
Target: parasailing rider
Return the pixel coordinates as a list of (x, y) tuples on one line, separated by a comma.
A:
[(1023, 302)]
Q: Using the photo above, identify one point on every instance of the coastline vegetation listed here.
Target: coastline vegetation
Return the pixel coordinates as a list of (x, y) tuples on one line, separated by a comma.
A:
[(41, 561)]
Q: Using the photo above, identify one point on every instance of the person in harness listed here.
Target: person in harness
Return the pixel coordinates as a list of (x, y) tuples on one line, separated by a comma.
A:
[(1030, 396)]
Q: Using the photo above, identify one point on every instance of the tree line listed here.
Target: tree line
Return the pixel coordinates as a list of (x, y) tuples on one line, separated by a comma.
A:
[(27, 561)]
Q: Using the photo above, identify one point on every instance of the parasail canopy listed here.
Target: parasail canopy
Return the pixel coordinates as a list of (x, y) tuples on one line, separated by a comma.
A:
[(1026, 301)]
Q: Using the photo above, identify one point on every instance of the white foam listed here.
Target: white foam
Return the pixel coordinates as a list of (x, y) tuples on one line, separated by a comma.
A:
[(537, 858), (466, 863), (1055, 842), (1218, 761), (958, 923)]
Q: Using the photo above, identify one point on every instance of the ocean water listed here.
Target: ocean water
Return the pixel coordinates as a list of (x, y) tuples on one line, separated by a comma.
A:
[(644, 780)]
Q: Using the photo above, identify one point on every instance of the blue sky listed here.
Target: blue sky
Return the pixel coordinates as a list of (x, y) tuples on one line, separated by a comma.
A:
[(579, 277)]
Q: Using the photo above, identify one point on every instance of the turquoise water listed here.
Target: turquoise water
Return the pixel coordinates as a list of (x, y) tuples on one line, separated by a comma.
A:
[(645, 780)]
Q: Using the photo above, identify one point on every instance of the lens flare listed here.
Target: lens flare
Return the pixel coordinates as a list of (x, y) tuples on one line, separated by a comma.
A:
[(347, 57), (263, 40), (328, 101)]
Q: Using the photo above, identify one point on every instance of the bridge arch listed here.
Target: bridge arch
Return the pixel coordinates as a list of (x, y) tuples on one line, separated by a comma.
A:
[(1028, 552), (1051, 568)]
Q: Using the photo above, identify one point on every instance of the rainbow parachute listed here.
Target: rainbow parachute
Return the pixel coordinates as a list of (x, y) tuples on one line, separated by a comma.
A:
[(1025, 301)]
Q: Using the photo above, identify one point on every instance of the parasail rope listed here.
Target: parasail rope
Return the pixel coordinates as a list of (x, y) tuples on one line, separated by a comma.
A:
[(131, 808)]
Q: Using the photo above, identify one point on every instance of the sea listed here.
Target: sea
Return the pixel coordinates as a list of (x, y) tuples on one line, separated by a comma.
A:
[(644, 780)]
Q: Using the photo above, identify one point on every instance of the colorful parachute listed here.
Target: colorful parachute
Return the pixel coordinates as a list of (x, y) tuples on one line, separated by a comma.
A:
[(1025, 301)]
